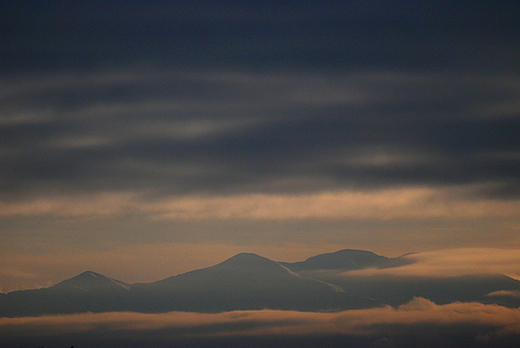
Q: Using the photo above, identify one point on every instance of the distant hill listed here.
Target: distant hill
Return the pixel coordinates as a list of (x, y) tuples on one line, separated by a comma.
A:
[(87, 292), (347, 260), (245, 281), (248, 282)]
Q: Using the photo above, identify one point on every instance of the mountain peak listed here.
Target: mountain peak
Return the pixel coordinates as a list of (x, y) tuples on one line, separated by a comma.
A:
[(90, 274), (89, 281), (247, 257), (346, 259), (248, 261)]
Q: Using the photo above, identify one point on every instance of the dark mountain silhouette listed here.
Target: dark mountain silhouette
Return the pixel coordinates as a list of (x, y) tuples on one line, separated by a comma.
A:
[(245, 281), (398, 290), (92, 282), (87, 292), (248, 281)]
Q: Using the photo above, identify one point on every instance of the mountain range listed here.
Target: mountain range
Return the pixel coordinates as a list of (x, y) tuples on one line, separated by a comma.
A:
[(248, 281)]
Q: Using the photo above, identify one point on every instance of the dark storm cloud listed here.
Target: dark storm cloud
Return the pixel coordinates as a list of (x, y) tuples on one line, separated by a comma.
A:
[(266, 34), (222, 131), (258, 97)]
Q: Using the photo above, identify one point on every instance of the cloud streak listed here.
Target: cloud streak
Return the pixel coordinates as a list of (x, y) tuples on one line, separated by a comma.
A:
[(510, 293), (391, 204), (237, 131), (418, 313), (453, 263)]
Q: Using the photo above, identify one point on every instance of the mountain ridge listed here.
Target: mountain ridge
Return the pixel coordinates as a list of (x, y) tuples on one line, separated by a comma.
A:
[(249, 281)]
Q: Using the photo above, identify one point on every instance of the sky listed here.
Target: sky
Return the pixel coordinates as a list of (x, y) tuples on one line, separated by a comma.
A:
[(143, 139)]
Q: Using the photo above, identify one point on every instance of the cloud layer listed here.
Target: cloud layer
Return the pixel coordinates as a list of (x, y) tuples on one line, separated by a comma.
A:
[(419, 315), (453, 263), (390, 204), (221, 132)]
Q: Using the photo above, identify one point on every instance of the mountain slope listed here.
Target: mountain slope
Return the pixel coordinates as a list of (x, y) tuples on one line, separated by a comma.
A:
[(87, 292), (245, 281), (93, 282), (346, 260), (249, 282), (398, 290)]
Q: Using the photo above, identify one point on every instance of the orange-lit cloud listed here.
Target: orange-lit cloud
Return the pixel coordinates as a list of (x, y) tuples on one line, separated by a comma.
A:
[(510, 293), (70, 206), (389, 204), (418, 312), (454, 262)]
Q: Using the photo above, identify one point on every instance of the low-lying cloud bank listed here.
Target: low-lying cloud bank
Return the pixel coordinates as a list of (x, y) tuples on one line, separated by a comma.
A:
[(488, 321), (453, 263)]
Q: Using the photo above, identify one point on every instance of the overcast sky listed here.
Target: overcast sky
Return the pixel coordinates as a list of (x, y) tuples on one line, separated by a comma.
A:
[(141, 139)]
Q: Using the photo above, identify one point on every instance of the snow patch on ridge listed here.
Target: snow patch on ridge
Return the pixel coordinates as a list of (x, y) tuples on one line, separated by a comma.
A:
[(124, 286), (334, 287), (92, 274)]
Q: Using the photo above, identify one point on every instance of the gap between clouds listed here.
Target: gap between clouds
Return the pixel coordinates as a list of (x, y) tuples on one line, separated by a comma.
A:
[(153, 262), (53, 263)]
